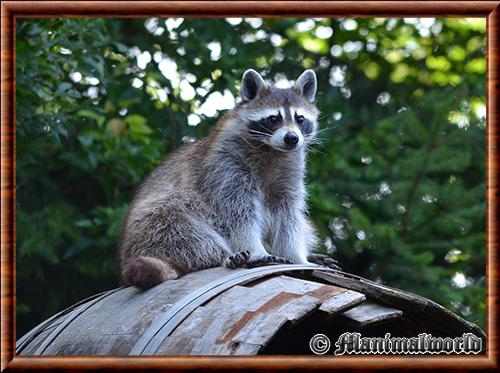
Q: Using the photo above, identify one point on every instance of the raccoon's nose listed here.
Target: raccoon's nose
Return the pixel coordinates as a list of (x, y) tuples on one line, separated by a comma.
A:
[(291, 138)]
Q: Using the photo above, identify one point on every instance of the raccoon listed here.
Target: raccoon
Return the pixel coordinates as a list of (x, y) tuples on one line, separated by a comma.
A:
[(235, 198)]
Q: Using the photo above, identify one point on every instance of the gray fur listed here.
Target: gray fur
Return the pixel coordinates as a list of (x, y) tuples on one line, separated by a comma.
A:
[(225, 194)]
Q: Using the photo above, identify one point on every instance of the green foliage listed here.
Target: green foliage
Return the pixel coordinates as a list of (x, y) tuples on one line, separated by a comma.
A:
[(397, 188)]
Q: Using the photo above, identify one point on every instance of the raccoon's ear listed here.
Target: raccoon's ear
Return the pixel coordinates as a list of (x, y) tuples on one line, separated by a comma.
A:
[(251, 84), (306, 84)]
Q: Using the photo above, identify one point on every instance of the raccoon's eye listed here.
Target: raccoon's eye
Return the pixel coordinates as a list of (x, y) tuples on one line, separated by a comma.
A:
[(299, 119), (273, 119)]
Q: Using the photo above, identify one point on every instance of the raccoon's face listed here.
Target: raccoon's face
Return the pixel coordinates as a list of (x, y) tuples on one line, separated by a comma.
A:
[(284, 119)]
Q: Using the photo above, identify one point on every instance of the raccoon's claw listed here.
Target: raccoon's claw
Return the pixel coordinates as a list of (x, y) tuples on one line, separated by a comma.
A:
[(277, 259), (323, 260), (237, 260), (268, 260)]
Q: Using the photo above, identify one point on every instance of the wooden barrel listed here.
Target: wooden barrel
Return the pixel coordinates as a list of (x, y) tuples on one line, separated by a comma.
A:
[(265, 310)]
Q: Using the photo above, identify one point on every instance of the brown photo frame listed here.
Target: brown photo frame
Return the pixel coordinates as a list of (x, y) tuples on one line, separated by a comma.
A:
[(10, 10)]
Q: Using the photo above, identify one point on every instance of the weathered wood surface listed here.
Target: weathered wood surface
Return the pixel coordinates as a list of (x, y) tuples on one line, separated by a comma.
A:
[(164, 325), (244, 319), (430, 313), (369, 313), (50, 323), (342, 302), (226, 312), (113, 326)]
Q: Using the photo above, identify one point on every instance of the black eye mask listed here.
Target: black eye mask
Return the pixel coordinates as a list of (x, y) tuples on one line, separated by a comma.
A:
[(306, 126), (266, 125)]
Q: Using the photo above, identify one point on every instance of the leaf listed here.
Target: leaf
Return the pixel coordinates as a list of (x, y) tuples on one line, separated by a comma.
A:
[(116, 127), (85, 223), (92, 115), (97, 64), (77, 247), (63, 87), (121, 47), (125, 103), (138, 124), (44, 94)]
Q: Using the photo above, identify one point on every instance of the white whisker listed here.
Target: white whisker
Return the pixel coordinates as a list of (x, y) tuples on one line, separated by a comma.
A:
[(264, 129), (260, 133), (314, 150), (260, 146), (325, 129)]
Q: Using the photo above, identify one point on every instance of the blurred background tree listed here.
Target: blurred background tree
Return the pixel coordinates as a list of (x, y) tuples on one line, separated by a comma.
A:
[(397, 188)]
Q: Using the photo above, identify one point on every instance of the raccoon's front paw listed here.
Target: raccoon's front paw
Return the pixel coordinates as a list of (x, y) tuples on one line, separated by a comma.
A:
[(268, 260), (237, 260), (323, 260)]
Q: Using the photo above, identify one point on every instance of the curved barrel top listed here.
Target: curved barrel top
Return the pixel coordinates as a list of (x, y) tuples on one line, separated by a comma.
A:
[(219, 311)]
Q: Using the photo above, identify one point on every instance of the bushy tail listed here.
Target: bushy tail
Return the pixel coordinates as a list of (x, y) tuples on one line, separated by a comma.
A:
[(145, 272)]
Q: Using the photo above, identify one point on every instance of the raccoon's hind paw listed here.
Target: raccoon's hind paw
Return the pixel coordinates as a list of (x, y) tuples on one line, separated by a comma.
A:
[(268, 260), (324, 260), (237, 260)]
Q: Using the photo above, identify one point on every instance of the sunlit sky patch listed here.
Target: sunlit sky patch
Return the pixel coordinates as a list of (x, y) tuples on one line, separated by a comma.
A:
[(234, 21), (216, 101), (460, 281)]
